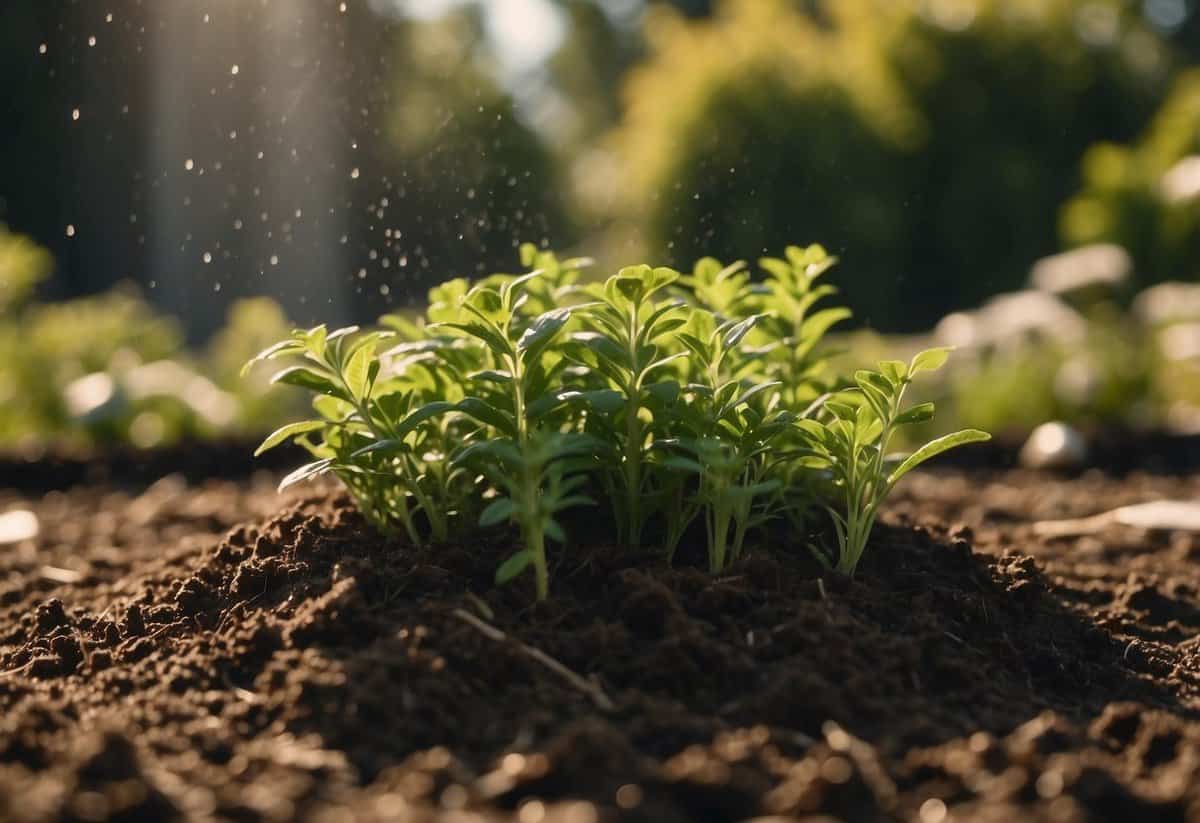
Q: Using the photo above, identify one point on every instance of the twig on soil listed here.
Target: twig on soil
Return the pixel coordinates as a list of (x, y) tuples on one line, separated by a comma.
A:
[(17, 670), (57, 575), (483, 608), (1181, 515), (583, 684)]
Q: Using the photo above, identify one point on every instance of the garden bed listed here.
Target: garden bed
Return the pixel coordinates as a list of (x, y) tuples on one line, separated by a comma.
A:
[(215, 649)]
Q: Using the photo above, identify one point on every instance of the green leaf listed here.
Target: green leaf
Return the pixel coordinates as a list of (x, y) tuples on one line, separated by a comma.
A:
[(878, 398), (842, 411), (738, 331), (696, 346), (812, 430), (497, 512), (816, 325), (684, 464), (920, 413), (486, 413), (936, 447), (657, 364), (601, 346), (357, 373), (542, 330), (513, 566), (389, 445), (486, 334), (930, 360), (428, 411), (666, 392), (307, 378), (554, 531), (896, 371), (492, 376), (332, 408), (280, 349), (290, 430), (630, 282), (661, 321), (305, 472), (512, 287), (548, 403), (314, 340), (775, 267), (603, 401), (746, 396)]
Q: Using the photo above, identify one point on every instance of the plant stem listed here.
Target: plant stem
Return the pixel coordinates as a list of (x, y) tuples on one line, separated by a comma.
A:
[(633, 471), (541, 576), (633, 440)]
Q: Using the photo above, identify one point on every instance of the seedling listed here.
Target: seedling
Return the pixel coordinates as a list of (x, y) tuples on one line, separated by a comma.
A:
[(624, 346), (372, 433), (852, 445), (514, 399)]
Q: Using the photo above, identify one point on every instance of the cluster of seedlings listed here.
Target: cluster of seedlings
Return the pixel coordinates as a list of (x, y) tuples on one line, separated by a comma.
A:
[(675, 399)]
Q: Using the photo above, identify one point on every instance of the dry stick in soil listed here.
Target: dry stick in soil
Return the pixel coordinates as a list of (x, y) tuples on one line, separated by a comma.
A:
[(584, 685)]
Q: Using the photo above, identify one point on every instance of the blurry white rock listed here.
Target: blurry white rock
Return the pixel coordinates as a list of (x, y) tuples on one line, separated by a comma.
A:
[(1180, 341), (18, 525), (1168, 302), (91, 397), (1101, 264), (1181, 183), (1008, 319), (1054, 446)]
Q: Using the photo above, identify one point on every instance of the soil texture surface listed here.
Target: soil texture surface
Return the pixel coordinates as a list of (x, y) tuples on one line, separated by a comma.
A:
[(211, 650)]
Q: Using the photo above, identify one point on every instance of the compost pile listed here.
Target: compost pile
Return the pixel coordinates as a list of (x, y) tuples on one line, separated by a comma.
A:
[(216, 650)]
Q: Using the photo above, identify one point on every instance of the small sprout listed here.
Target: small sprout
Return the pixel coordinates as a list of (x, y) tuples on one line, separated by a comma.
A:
[(852, 445)]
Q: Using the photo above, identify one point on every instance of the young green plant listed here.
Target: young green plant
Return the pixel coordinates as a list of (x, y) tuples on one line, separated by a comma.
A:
[(623, 346), (852, 445), (371, 437), (511, 398)]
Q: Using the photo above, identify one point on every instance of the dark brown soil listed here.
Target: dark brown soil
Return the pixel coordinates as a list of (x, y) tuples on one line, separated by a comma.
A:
[(217, 651)]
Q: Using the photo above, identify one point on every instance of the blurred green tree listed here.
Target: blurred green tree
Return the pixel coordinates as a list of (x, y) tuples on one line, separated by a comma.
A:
[(1146, 195), (932, 141)]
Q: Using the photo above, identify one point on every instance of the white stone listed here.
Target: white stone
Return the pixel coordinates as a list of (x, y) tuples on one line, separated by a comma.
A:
[(16, 526), (1054, 446)]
